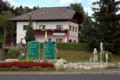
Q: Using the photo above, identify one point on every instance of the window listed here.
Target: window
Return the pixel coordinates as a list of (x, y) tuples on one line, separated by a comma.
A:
[(25, 27), (75, 29), (42, 27), (59, 27), (70, 27), (59, 40)]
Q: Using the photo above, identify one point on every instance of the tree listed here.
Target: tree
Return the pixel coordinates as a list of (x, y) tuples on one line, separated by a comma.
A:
[(5, 6), (107, 24), (7, 28), (88, 31), (78, 7), (21, 10), (36, 7), (30, 32)]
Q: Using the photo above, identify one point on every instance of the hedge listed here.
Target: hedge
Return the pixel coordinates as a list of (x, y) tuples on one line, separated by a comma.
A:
[(73, 46)]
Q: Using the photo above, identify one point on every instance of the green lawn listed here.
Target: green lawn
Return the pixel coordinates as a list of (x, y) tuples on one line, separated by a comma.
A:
[(76, 56)]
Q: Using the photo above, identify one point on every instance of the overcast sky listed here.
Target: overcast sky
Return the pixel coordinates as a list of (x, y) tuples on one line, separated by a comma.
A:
[(87, 4)]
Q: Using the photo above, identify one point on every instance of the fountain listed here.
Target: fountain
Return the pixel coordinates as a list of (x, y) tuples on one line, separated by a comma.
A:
[(101, 49), (106, 58), (101, 46), (95, 56)]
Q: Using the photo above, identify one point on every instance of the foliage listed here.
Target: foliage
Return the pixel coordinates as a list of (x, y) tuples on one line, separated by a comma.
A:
[(30, 32), (104, 55), (1, 37), (13, 53), (5, 24), (78, 7), (5, 5), (73, 46), (107, 23), (87, 30), (21, 10), (1, 43)]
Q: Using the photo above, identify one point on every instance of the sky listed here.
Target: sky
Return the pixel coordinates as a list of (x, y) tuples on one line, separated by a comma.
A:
[(87, 4)]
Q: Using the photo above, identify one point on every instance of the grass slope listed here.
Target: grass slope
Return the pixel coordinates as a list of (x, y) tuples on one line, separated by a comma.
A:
[(81, 56), (74, 56)]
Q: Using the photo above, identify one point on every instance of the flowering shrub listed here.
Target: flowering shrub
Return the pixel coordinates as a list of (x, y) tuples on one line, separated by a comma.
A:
[(24, 64)]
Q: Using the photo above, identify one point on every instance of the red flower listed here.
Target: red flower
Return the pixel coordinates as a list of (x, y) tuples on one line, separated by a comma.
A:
[(24, 64)]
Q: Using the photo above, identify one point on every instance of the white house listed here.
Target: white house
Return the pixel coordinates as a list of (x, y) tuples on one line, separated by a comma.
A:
[(60, 23)]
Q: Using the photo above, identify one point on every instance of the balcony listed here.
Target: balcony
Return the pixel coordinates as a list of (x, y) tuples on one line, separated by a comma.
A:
[(50, 31)]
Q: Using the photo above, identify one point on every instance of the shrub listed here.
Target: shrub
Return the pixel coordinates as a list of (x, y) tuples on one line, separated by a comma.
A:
[(104, 55), (73, 46), (1, 43), (13, 53)]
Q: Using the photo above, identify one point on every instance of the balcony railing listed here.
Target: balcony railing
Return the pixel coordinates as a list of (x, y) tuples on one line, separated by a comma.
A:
[(50, 31)]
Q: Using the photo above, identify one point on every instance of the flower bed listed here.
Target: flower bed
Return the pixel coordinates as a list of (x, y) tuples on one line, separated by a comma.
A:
[(24, 64)]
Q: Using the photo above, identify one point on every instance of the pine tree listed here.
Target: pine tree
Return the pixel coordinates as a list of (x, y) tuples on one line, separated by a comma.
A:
[(108, 24), (30, 32)]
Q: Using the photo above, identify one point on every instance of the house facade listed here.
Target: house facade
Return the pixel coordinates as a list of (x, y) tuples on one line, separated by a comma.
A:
[(61, 24)]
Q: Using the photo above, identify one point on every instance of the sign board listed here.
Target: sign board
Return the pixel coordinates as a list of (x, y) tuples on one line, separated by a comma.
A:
[(49, 49), (34, 49)]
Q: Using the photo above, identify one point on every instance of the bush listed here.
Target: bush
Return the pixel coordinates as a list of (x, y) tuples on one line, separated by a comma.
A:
[(73, 46), (1, 43), (104, 55), (13, 53)]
